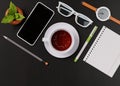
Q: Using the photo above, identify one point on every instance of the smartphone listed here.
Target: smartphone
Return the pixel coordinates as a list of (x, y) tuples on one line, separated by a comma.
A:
[(35, 23)]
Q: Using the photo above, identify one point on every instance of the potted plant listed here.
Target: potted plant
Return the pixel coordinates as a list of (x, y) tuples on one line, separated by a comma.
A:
[(13, 15)]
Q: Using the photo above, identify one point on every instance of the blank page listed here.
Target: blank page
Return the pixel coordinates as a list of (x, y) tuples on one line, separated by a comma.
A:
[(104, 53)]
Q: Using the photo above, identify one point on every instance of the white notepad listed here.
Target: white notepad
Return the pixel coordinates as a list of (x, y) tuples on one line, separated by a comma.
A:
[(104, 53)]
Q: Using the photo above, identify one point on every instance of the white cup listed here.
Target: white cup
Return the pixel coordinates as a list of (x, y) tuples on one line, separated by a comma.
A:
[(47, 39)]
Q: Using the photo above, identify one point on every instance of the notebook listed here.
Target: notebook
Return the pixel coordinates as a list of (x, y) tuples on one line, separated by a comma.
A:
[(104, 54)]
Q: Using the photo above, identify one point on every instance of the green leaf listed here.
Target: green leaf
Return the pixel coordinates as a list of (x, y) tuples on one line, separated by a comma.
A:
[(7, 19), (18, 16), (12, 9)]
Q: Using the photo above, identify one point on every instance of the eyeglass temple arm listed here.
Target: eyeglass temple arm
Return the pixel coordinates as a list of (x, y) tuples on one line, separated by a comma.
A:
[(89, 6), (95, 9)]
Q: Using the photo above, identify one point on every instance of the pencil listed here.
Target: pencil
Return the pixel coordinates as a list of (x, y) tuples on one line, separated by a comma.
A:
[(24, 49), (86, 43)]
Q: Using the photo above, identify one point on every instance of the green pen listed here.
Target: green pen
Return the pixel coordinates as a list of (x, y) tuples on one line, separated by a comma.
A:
[(86, 43)]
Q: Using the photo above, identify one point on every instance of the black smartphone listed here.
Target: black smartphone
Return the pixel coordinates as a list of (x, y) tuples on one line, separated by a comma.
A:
[(35, 23)]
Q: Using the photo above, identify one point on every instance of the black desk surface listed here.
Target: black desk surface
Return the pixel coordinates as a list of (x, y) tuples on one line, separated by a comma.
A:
[(17, 68)]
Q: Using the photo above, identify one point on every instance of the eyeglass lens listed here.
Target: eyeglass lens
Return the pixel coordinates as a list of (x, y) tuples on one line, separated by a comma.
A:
[(65, 10), (82, 21)]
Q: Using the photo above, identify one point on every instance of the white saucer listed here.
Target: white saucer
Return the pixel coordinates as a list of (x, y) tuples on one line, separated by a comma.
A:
[(61, 26)]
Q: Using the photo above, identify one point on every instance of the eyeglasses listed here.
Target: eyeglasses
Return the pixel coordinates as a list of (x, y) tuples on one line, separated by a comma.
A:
[(66, 11)]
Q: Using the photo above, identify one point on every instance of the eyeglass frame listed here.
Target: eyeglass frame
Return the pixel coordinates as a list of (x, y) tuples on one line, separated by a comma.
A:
[(73, 12)]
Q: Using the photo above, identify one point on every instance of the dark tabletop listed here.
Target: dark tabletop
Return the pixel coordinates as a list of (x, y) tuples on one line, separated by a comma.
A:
[(17, 68)]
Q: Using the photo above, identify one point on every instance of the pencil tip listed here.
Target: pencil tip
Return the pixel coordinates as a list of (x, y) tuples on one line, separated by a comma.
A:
[(46, 63)]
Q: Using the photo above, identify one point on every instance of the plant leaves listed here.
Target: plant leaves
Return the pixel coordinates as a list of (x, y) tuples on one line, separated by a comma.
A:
[(18, 16), (7, 19), (12, 9)]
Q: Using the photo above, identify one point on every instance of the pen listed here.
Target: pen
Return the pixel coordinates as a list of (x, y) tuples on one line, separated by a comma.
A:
[(24, 49), (86, 43)]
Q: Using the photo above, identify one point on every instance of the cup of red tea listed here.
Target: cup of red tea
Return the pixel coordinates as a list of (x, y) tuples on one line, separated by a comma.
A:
[(61, 40)]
